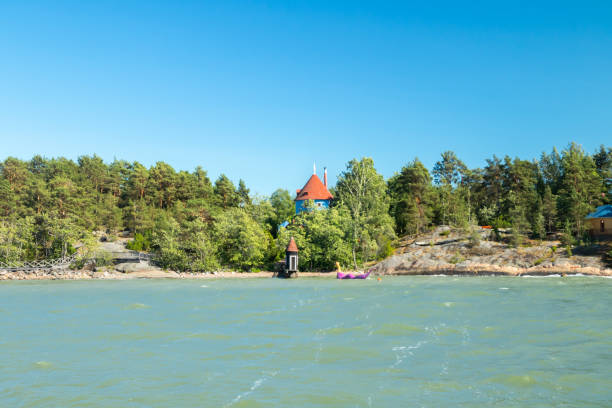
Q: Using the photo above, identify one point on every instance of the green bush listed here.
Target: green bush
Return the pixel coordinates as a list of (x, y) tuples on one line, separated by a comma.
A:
[(140, 242), (474, 238), (500, 222), (172, 258), (386, 250), (457, 258), (103, 259), (567, 238), (79, 263), (516, 239)]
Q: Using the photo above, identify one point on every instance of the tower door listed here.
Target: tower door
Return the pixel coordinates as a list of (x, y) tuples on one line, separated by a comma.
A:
[(292, 263), (602, 226)]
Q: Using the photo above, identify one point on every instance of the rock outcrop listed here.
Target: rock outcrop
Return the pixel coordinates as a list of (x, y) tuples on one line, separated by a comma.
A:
[(451, 253)]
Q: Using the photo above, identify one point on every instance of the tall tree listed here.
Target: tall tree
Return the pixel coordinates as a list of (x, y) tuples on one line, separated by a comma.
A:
[(447, 174), (283, 205), (603, 164), (363, 191), (226, 192), (162, 184), (580, 187), (410, 192), (137, 183), (242, 242), (243, 194)]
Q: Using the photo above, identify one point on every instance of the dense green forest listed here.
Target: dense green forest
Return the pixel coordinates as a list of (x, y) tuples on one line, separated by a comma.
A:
[(47, 206)]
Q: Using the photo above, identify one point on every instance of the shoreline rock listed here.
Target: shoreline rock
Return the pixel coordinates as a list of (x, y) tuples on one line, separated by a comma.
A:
[(453, 254), (448, 269)]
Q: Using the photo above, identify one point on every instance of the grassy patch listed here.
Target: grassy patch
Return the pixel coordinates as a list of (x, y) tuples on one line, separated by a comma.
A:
[(457, 258), (481, 251)]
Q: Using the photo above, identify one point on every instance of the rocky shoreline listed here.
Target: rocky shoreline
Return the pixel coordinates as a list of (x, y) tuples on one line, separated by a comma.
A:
[(441, 252), (450, 270), (496, 270), (448, 252), (143, 274)]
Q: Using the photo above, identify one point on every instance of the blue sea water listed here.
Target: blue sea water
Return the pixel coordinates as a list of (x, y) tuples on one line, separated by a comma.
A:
[(307, 342)]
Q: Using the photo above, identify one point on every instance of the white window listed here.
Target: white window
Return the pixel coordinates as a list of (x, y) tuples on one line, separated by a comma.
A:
[(292, 263)]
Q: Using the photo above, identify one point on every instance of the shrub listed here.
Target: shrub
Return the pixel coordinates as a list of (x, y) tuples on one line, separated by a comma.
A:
[(474, 238), (172, 258), (567, 238), (481, 251), (386, 250), (444, 233), (79, 263), (103, 259), (496, 234), (140, 242), (568, 250), (500, 222), (457, 258), (516, 238)]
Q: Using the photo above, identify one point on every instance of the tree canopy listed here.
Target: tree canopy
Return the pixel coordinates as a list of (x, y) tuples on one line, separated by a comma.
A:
[(47, 206)]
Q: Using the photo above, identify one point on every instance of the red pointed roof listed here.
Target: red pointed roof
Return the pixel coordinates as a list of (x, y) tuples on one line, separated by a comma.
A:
[(292, 247), (314, 190)]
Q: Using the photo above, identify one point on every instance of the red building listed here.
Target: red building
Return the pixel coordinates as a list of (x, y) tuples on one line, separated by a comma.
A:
[(314, 190)]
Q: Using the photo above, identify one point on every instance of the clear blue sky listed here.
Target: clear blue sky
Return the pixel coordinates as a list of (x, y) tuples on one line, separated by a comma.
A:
[(260, 89)]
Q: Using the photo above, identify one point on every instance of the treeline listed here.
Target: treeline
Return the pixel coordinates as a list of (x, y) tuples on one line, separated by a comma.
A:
[(533, 198), (191, 223)]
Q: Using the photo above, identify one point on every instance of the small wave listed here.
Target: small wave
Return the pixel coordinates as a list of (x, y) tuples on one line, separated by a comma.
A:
[(541, 276), (503, 288), (396, 329), (521, 381), (401, 352), (43, 365), (342, 330), (255, 385), (135, 306), (449, 304), (203, 286)]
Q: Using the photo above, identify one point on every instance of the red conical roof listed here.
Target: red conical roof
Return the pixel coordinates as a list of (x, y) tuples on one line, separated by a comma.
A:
[(314, 190), (292, 247)]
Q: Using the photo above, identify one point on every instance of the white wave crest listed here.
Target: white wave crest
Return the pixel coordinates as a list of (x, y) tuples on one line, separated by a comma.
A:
[(253, 387)]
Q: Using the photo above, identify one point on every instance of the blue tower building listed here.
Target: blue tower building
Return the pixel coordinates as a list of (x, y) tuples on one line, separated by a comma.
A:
[(314, 190)]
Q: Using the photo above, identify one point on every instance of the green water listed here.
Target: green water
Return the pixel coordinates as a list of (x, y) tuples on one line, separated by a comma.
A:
[(406, 341)]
